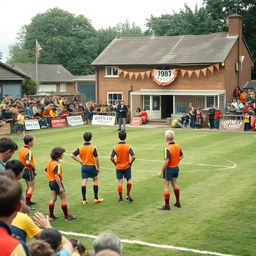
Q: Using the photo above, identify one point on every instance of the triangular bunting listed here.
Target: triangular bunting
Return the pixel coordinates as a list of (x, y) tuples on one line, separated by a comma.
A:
[(148, 73), (142, 74), (136, 75), (125, 73), (217, 66), (119, 71), (131, 75), (211, 68), (190, 72), (204, 70), (183, 72), (198, 73)]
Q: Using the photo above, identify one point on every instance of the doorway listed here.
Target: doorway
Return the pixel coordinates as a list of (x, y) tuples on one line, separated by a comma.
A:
[(167, 105)]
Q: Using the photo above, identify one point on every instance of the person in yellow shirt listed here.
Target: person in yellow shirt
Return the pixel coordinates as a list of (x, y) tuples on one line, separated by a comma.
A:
[(176, 124), (53, 112), (20, 124), (23, 226)]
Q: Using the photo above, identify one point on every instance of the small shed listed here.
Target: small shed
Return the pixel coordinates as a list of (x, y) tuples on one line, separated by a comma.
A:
[(86, 85), (11, 81)]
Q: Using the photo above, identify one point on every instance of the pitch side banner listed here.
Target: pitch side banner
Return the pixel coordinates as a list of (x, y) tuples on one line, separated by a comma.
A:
[(59, 121), (32, 124), (231, 125), (75, 120), (103, 120)]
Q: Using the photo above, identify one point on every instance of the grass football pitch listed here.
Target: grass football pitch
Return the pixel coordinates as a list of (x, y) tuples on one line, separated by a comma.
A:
[(217, 181)]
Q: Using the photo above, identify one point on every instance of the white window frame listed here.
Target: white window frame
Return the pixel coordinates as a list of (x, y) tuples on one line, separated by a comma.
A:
[(47, 88), (114, 93), (63, 87), (113, 71), (215, 99)]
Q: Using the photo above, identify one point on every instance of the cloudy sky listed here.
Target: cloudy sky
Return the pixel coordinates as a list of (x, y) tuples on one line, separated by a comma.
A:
[(101, 13)]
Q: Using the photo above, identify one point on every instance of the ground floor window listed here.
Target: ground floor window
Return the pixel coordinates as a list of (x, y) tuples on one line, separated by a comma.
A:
[(114, 97), (211, 101), (146, 102)]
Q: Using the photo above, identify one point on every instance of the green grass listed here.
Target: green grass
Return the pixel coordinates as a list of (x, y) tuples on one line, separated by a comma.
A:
[(218, 203)]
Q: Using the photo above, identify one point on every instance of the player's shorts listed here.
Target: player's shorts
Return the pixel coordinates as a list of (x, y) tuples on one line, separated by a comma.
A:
[(88, 171), (170, 173), (125, 173), (28, 174), (54, 186)]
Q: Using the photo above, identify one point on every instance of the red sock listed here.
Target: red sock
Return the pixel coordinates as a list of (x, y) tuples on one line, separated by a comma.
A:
[(128, 186), (120, 191), (177, 194), (167, 198), (64, 208), (28, 197), (51, 209)]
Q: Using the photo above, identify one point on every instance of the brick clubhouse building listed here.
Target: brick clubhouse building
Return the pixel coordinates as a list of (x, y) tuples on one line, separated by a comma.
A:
[(166, 75)]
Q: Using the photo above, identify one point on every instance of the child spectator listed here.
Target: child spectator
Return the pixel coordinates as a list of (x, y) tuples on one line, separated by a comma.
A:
[(246, 122), (20, 124), (217, 116)]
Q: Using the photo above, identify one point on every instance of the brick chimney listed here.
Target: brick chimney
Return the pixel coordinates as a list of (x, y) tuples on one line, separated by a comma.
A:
[(234, 23)]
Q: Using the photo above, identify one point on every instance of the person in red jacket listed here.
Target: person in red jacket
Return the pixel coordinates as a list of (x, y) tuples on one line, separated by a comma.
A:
[(217, 116)]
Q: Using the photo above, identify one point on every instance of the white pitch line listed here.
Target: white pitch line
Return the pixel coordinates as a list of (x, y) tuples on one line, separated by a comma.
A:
[(163, 246)]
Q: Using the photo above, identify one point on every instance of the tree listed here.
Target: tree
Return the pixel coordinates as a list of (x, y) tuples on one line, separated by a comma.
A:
[(17, 54), (65, 39), (221, 9), (29, 86), (126, 29)]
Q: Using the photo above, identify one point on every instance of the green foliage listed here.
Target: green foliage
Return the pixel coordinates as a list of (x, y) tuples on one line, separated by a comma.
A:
[(218, 204), (29, 86), (17, 54)]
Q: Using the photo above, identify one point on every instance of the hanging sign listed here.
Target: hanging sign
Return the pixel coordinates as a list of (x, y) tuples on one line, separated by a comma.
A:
[(163, 77)]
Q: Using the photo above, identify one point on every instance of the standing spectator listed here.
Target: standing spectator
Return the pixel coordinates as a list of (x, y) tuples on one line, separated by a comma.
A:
[(10, 196), (170, 170), (246, 118), (26, 157), (7, 149), (236, 93), (192, 114), (54, 174), (123, 164), (199, 118), (243, 97), (107, 240), (20, 124), (211, 116), (89, 160), (217, 117), (121, 115)]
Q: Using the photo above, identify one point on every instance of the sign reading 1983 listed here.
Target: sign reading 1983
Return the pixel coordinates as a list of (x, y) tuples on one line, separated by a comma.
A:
[(163, 77)]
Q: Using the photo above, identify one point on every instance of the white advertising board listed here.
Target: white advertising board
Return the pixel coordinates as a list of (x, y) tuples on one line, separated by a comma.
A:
[(32, 124), (75, 120), (103, 120)]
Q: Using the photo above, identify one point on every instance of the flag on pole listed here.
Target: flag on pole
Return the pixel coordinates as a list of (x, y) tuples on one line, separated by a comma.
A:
[(38, 49)]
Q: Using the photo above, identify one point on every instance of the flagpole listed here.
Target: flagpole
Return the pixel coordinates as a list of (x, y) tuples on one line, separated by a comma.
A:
[(37, 85)]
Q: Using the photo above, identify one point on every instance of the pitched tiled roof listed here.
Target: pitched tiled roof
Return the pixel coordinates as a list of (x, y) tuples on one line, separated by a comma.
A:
[(167, 50), (47, 73), (9, 73)]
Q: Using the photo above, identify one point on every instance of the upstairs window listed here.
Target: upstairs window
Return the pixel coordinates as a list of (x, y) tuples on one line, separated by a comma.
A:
[(111, 71)]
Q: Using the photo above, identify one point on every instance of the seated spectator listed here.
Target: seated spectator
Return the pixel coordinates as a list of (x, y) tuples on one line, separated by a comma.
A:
[(59, 244), (53, 112), (176, 123), (40, 248), (10, 196), (144, 116), (107, 240), (138, 112), (185, 120), (78, 248), (243, 97)]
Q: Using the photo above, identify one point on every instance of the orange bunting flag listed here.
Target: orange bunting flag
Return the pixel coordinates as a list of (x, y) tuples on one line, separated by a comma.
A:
[(204, 70), (198, 73), (148, 73), (142, 74), (131, 75), (119, 71), (211, 68), (125, 73), (217, 66), (190, 72), (136, 75), (183, 72)]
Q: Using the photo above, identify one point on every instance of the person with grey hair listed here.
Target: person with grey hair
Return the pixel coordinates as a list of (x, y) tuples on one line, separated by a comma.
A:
[(107, 240)]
